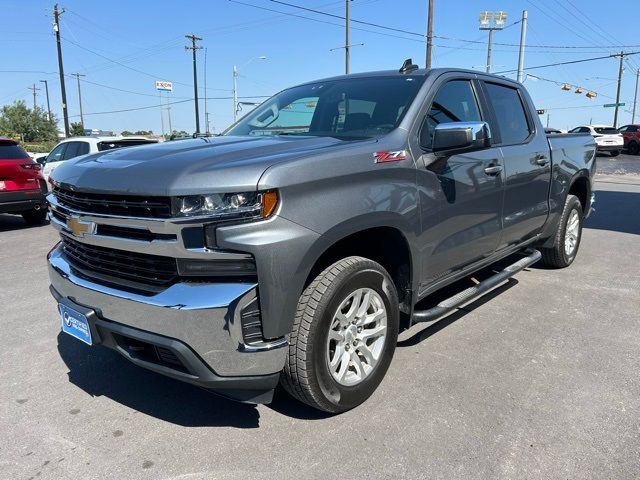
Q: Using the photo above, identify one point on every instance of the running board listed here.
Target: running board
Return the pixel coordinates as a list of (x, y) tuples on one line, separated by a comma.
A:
[(481, 288)]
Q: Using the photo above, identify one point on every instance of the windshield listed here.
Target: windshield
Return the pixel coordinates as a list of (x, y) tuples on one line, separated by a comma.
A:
[(348, 108)]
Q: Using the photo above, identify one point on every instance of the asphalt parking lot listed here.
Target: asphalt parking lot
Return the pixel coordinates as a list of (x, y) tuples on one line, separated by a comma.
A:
[(539, 379)]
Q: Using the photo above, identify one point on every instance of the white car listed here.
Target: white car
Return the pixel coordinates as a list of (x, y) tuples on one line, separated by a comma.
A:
[(76, 146), (607, 138)]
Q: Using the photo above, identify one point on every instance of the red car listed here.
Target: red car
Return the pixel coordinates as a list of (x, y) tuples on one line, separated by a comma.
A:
[(631, 136), (22, 188)]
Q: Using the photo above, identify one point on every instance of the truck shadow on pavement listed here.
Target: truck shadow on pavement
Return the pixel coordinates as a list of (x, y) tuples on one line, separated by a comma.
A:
[(616, 211), (102, 372), (15, 222)]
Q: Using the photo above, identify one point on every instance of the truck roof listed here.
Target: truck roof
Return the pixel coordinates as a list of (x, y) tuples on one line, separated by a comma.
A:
[(419, 72)]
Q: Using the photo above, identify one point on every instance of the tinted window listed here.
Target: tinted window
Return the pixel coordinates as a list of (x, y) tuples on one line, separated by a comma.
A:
[(626, 128), (606, 130), (454, 102), (510, 113), (349, 108), (110, 145), (56, 154), (10, 152), (73, 150)]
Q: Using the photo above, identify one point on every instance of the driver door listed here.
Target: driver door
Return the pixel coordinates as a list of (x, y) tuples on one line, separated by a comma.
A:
[(465, 189)]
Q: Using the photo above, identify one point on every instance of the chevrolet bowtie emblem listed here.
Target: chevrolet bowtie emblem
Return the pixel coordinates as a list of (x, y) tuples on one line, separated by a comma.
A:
[(80, 228)]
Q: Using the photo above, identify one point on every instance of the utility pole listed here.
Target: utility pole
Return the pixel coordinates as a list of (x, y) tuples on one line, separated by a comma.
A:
[(347, 42), (46, 89), (615, 114), (429, 34), (489, 45), (34, 90), (161, 113), (78, 75), (169, 115), (206, 113), (193, 48), (235, 93), (523, 39), (547, 119), (635, 98), (56, 28)]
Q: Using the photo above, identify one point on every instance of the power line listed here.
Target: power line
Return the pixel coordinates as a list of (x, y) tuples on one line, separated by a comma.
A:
[(571, 62)]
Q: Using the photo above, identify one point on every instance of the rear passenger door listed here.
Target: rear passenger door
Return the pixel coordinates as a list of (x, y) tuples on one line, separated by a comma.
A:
[(527, 164)]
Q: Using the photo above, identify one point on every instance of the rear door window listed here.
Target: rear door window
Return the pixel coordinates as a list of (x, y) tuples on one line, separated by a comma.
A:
[(72, 150), (510, 113)]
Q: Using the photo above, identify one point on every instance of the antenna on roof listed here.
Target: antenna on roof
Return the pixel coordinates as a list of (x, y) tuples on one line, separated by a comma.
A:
[(408, 66)]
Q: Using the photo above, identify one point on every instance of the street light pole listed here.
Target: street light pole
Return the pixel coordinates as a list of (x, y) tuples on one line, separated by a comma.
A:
[(491, 21), (34, 90), (46, 90), (236, 74)]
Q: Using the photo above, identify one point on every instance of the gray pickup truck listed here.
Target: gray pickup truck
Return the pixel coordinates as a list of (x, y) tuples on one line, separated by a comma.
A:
[(295, 246)]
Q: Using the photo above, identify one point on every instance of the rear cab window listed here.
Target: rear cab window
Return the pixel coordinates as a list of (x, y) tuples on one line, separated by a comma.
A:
[(511, 117)]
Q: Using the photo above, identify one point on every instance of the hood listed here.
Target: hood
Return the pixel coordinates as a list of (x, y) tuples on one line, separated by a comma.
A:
[(187, 167)]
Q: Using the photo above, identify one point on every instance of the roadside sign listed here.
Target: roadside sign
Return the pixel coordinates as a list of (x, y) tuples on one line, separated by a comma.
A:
[(613, 105), (164, 86)]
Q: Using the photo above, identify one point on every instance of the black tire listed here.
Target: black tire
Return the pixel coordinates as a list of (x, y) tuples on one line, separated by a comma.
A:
[(633, 148), (614, 153), (557, 257), (35, 217), (306, 375)]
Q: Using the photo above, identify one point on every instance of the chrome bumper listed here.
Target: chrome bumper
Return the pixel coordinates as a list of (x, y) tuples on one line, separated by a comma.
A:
[(204, 316)]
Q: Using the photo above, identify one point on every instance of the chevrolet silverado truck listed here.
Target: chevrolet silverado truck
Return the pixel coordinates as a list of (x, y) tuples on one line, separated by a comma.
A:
[(295, 246)]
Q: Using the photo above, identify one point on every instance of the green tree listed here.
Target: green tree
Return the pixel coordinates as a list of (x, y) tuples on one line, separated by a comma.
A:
[(126, 133), (29, 125), (76, 130), (144, 132)]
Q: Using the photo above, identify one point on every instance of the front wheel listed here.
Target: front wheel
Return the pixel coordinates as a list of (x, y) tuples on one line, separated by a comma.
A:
[(343, 337), (568, 236), (633, 148)]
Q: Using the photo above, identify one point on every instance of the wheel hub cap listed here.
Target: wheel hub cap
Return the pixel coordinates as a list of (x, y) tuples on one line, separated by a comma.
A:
[(572, 234), (356, 336)]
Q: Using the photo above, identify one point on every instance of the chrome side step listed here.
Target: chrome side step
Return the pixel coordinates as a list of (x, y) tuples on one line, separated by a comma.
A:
[(470, 293)]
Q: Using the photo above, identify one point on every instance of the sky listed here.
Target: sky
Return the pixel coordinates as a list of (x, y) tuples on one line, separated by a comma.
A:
[(122, 47)]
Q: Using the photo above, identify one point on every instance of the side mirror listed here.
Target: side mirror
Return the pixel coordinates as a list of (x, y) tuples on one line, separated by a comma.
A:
[(458, 137), (42, 160)]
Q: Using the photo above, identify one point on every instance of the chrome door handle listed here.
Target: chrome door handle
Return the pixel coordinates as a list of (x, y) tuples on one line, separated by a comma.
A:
[(541, 159), (493, 170)]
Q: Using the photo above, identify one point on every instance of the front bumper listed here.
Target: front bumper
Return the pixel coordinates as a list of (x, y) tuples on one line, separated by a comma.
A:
[(198, 323), (22, 201)]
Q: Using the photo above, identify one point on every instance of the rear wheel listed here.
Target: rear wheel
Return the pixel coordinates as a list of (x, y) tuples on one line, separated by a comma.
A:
[(614, 153), (35, 217), (344, 336), (633, 148), (568, 235)]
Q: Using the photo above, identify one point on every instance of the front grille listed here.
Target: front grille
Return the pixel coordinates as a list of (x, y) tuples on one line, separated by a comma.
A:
[(121, 205), (137, 267)]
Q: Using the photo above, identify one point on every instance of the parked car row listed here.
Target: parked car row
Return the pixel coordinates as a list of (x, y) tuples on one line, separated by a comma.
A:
[(23, 179)]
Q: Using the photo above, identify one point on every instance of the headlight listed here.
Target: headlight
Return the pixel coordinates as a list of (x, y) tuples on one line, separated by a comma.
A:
[(227, 205)]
